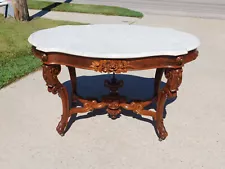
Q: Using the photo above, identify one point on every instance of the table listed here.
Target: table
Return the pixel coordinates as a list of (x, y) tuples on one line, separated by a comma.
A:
[(112, 48)]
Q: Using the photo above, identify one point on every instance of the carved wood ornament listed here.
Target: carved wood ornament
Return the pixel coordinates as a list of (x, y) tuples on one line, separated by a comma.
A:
[(114, 102), (109, 66), (50, 74)]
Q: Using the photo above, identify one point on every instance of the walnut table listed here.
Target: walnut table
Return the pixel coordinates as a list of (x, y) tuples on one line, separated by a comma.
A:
[(114, 49)]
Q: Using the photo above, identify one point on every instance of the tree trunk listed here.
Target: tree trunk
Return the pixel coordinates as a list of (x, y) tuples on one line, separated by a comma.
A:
[(21, 10)]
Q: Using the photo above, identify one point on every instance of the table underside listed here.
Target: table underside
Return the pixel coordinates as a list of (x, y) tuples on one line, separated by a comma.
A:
[(114, 102)]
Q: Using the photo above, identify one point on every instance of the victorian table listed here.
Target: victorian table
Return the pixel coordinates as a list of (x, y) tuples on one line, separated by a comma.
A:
[(114, 49)]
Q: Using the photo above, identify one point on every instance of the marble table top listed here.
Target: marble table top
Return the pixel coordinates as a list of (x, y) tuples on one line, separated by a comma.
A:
[(114, 41)]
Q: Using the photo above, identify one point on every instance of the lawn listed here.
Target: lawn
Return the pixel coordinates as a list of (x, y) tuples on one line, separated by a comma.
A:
[(16, 59), (83, 8)]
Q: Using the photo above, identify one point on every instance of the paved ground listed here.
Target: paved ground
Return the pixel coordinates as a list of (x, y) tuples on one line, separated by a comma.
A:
[(84, 18), (194, 8), (195, 121)]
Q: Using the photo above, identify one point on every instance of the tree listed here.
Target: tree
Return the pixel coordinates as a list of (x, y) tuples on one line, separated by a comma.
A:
[(21, 12)]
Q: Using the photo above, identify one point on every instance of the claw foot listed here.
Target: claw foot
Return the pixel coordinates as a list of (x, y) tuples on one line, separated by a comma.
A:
[(161, 131), (61, 128)]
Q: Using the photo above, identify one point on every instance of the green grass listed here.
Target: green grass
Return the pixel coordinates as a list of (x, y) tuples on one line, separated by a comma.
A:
[(16, 59), (84, 8)]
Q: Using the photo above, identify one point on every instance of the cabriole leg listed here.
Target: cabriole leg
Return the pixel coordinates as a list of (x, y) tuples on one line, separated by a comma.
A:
[(50, 73), (174, 79)]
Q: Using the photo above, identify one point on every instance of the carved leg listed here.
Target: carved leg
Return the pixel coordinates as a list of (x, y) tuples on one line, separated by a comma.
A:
[(158, 77), (73, 78), (50, 73), (174, 79)]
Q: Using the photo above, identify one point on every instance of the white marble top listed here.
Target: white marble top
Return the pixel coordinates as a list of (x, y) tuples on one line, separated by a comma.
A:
[(114, 41)]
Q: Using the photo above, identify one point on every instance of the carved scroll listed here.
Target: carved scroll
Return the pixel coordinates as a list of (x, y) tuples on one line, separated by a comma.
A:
[(174, 77), (113, 106), (138, 107), (109, 66), (88, 105), (50, 73)]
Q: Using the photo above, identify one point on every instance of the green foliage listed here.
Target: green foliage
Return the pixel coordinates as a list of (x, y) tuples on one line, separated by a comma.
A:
[(16, 59), (84, 8)]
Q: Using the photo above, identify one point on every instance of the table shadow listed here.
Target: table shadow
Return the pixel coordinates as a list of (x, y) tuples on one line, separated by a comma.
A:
[(135, 87), (47, 9)]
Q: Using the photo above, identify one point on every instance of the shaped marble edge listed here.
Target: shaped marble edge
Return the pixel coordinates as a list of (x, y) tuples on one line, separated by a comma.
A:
[(183, 50)]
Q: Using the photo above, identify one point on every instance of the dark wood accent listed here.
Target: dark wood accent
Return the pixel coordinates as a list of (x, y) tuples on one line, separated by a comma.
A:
[(73, 78), (158, 77), (171, 66)]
